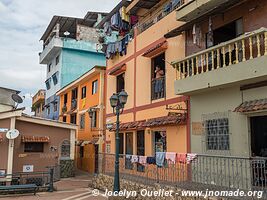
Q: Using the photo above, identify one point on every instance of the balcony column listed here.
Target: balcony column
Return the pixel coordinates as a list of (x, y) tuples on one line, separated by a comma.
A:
[(236, 53), (258, 45), (243, 50), (250, 48)]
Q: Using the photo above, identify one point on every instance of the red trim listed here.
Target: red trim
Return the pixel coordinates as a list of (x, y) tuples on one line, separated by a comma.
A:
[(153, 105), (118, 70), (188, 128), (136, 54)]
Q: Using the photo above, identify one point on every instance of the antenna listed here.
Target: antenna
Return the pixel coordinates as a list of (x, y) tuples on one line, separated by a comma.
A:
[(17, 99), (12, 134)]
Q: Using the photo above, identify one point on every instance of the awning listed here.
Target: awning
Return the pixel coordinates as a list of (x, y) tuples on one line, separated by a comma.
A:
[(1, 137), (156, 50), (118, 70), (252, 106), (86, 142), (33, 138), (166, 120), (129, 126), (154, 122)]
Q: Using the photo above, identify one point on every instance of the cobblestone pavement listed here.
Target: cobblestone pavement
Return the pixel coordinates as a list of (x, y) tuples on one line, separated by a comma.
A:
[(67, 189)]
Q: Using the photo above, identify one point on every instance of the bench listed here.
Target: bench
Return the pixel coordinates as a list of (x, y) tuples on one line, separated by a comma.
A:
[(28, 188)]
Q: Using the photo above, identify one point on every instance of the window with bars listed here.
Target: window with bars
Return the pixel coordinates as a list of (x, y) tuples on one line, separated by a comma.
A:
[(217, 134), (65, 149), (82, 121)]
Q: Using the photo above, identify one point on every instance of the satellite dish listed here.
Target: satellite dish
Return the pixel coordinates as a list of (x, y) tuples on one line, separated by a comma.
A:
[(17, 99), (67, 33), (12, 134)]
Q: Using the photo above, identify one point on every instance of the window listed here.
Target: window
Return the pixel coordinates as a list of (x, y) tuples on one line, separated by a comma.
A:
[(94, 87), (55, 78), (64, 118), (73, 118), (34, 147), (121, 150), (94, 120), (74, 93), (48, 110), (217, 134), (81, 151), (82, 121), (65, 149), (55, 106), (57, 59), (120, 83), (158, 77), (84, 92), (49, 67), (48, 84), (160, 141), (65, 99)]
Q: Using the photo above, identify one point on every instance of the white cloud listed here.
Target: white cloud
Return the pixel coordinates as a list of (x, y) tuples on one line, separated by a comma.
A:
[(22, 23)]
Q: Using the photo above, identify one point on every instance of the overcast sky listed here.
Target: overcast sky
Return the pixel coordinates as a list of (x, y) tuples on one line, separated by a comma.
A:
[(22, 23)]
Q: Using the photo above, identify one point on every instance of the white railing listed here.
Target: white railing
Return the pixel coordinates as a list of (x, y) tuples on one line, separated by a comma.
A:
[(245, 47)]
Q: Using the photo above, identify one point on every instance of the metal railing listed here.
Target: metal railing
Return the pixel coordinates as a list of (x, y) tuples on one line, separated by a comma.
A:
[(246, 47), (205, 172), (158, 88), (157, 15)]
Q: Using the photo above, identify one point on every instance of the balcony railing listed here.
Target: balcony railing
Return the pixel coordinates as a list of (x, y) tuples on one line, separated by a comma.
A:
[(158, 15), (205, 172), (158, 88), (246, 47)]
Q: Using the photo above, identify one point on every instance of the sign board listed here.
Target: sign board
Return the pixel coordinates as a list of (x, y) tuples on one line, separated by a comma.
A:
[(197, 128), (27, 168), (2, 173), (3, 130)]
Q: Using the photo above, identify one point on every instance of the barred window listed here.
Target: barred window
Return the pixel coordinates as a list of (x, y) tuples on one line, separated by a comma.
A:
[(82, 121), (217, 134), (65, 149)]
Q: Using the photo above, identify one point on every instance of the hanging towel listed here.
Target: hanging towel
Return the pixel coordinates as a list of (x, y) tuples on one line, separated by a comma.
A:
[(171, 156), (181, 158), (142, 160), (151, 160), (134, 159), (190, 157), (160, 158)]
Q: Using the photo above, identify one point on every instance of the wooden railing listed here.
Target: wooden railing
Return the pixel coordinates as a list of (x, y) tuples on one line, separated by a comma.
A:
[(246, 47)]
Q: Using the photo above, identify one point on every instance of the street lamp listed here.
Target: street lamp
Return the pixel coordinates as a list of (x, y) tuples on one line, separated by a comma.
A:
[(117, 102)]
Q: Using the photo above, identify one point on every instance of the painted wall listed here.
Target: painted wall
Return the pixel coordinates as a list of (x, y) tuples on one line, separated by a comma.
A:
[(87, 133), (225, 100), (4, 123), (138, 83)]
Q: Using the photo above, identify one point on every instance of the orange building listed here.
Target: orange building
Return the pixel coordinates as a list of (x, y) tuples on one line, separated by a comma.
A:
[(154, 118), (79, 98)]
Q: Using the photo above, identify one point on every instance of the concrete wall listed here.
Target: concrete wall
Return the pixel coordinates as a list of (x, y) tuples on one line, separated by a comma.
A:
[(224, 100), (4, 145), (5, 98)]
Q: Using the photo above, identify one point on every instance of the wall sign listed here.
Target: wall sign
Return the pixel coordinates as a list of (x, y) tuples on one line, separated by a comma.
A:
[(27, 168), (197, 128)]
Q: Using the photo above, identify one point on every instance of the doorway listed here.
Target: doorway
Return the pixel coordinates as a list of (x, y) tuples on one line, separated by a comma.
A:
[(140, 148), (96, 158), (258, 136)]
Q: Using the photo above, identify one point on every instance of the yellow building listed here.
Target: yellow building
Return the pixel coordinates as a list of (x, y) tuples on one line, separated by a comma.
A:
[(79, 98), (154, 118)]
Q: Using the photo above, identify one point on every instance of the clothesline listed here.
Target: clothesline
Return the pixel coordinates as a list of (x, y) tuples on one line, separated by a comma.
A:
[(162, 158)]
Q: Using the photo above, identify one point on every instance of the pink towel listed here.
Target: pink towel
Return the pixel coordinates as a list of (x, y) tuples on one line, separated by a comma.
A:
[(171, 156), (142, 160), (181, 158)]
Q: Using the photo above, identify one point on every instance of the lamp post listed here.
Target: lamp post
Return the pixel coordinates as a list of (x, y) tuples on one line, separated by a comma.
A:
[(117, 102)]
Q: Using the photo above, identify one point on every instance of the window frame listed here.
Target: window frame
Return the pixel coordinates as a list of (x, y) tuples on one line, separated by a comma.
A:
[(27, 149), (94, 87), (118, 88), (94, 120), (57, 60), (82, 121), (66, 145), (84, 91)]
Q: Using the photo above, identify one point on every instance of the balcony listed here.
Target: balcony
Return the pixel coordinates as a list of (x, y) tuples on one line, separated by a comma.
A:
[(158, 88), (235, 62), (193, 9), (50, 50), (39, 97)]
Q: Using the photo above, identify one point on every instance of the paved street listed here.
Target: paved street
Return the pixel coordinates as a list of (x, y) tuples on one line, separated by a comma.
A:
[(67, 189)]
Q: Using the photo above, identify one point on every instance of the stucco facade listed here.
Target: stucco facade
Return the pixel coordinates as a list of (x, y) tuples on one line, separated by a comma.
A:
[(138, 83), (89, 89)]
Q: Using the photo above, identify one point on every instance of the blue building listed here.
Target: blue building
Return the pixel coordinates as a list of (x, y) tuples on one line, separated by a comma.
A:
[(70, 48)]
